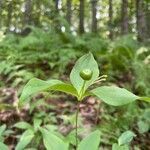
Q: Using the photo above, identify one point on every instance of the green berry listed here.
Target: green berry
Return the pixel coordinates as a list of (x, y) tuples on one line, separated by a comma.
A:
[(86, 74)]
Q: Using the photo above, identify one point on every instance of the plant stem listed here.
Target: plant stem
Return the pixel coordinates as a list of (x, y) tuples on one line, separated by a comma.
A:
[(82, 90), (77, 112)]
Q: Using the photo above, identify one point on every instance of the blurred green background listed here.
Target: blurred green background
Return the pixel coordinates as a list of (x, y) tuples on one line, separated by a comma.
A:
[(44, 39)]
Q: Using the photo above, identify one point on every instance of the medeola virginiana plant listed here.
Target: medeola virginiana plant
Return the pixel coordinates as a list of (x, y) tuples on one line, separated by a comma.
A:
[(84, 74)]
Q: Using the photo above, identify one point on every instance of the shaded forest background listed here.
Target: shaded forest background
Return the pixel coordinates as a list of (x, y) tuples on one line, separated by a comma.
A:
[(44, 38), (108, 18)]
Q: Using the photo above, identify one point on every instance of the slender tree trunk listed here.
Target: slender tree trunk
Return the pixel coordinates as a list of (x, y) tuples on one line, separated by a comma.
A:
[(9, 16), (56, 20), (94, 12), (124, 22), (38, 13), (81, 17), (110, 19), (0, 13), (148, 18), (28, 12), (69, 12), (56, 6), (140, 20)]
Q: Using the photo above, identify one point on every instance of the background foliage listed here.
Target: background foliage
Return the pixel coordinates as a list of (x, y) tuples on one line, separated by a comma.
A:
[(44, 39)]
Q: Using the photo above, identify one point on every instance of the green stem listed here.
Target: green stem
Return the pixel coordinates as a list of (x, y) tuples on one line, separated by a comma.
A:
[(82, 90), (147, 99), (77, 112)]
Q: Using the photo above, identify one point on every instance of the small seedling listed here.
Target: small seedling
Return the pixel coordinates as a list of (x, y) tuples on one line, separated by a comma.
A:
[(84, 74), (3, 133)]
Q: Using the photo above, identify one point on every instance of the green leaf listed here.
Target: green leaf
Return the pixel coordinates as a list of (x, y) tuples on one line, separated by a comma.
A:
[(113, 95), (117, 147), (85, 62), (143, 126), (91, 142), (126, 138), (2, 129), (25, 140), (52, 142), (37, 123), (65, 87), (3, 146), (34, 86), (23, 125)]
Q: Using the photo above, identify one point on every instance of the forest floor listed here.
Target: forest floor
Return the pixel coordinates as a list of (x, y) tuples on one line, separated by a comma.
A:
[(62, 110)]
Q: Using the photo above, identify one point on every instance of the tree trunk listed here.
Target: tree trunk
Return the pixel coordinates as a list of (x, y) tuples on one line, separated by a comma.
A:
[(110, 19), (38, 14), (81, 17), (9, 15), (56, 6), (55, 18), (140, 20), (94, 12), (148, 18), (28, 13), (0, 13), (124, 22), (69, 12)]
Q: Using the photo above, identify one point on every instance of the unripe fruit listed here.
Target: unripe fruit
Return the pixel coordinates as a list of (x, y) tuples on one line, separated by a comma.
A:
[(86, 74)]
